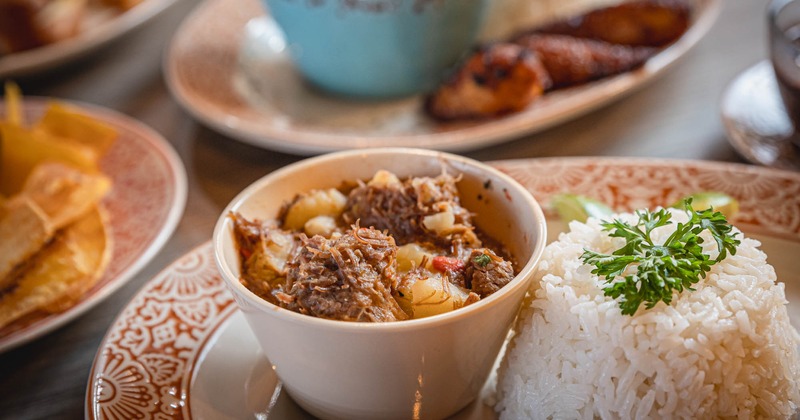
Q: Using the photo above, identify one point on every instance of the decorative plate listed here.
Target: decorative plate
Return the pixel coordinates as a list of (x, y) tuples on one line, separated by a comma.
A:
[(182, 350), (145, 205), (227, 66)]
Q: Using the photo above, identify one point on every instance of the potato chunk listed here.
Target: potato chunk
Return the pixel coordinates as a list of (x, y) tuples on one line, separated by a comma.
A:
[(324, 226), (411, 256), (384, 179), (441, 223), (423, 293), (328, 202)]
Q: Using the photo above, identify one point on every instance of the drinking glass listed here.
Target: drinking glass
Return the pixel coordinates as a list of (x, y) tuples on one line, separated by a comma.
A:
[(784, 44)]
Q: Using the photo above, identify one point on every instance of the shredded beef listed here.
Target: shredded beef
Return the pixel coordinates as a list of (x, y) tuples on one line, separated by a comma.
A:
[(400, 208), (347, 278), (264, 250), (389, 208), (352, 275), (247, 233)]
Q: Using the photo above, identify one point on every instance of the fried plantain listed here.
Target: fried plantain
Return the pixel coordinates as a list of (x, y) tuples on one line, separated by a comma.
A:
[(54, 196), (61, 272), (651, 23), (24, 230), (571, 61), (502, 79), (54, 237), (64, 193), (497, 79)]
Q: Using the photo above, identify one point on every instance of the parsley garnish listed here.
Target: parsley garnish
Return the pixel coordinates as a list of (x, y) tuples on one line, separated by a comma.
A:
[(482, 260), (660, 269)]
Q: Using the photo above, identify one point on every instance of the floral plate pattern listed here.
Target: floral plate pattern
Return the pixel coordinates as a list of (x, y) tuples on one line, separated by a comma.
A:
[(769, 199), (148, 363), (141, 370)]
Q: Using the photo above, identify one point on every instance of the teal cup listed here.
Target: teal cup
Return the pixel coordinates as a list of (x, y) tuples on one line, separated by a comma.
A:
[(377, 48)]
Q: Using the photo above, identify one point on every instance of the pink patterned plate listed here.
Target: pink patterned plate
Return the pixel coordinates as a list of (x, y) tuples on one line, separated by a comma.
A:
[(182, 350), (144, 205)]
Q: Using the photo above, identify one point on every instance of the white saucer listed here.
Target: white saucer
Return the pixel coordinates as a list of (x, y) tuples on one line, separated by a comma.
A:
[(229, 68), (181, 349), (755, 119)]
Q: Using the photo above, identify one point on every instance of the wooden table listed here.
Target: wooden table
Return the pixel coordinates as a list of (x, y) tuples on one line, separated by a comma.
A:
[(677, 116)]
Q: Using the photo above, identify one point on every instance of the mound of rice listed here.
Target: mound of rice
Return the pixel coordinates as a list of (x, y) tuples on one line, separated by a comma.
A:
[(725, 350)]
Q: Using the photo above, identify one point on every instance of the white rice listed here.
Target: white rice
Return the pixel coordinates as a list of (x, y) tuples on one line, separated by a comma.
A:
[(725, 350)]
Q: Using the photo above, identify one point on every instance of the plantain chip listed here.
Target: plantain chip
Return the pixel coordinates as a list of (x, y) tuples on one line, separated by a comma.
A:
[(58, 275), (64, 193), (68, 125), (22, 149), (62, 134), (54, 237), (13, 103), (54, 196), (24, 230)]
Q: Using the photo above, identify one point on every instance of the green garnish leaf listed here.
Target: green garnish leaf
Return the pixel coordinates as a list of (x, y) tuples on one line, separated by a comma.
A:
[(660, 270), (578, 207), (482, 260)]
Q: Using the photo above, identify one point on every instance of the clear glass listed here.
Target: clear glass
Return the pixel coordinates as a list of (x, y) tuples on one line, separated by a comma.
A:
[(784, 44)]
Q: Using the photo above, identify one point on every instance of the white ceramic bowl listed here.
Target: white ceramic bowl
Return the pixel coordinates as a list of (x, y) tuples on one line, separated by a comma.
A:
[(422, 368)]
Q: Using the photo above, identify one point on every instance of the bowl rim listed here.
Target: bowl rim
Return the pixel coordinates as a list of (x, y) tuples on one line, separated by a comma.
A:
[(521, 280)]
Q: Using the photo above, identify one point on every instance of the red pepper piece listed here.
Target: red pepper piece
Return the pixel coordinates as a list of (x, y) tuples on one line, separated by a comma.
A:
[(442, 263)]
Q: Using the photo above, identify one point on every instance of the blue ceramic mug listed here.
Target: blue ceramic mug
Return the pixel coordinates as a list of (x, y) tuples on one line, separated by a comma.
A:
[(377, 48)]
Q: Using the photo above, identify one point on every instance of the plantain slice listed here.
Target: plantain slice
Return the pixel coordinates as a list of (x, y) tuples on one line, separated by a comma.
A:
[(643, 23), (572, 61), (496, 79), (24, 230), (54, 196), (62, 271), (64, 193), (66, 124)]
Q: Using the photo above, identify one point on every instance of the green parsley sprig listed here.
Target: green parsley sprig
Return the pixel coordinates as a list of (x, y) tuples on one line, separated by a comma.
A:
[(663, 269)]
